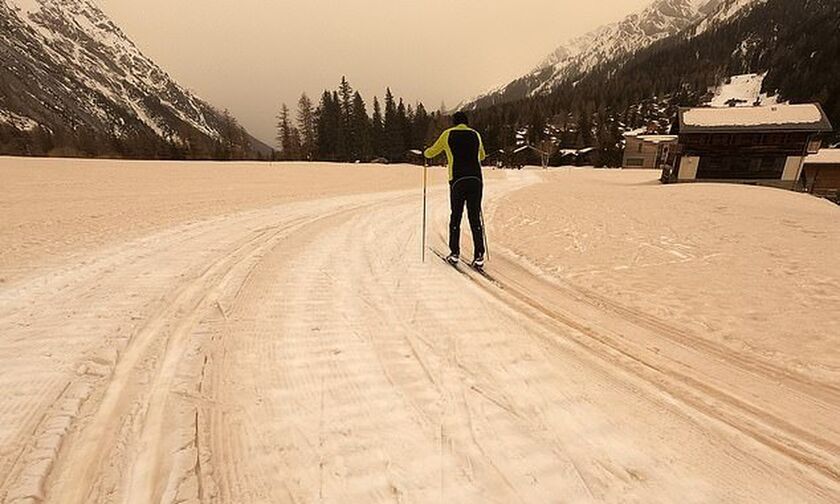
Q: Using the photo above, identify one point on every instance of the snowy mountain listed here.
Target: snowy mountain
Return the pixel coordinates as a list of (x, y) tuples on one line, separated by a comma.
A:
[(614, 42), (723, 12), (740, 53), (71, 75)]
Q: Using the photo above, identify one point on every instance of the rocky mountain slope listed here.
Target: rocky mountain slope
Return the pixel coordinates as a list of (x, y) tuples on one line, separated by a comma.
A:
[(71, 82), (614, 42)]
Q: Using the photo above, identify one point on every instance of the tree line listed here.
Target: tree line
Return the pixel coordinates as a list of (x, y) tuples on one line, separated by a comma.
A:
[(137, 142), (340, 128)]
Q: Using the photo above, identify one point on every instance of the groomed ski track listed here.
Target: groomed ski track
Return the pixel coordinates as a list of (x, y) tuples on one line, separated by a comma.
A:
[(303, 353)]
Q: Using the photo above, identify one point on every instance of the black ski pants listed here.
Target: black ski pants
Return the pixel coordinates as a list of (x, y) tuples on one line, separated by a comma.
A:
[(467, 191)]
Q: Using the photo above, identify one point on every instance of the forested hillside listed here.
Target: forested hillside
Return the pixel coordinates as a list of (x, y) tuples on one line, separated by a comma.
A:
[(795, 41)]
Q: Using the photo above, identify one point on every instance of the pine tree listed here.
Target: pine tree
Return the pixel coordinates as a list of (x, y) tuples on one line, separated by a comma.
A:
[(345, 93), (420, 127), (339, 119), (327, 127), (293, 150), (377, 130), (398, 141), (306, 126), (394, 147), (346, 134), (408, 126), (360, 130), (284, 129)]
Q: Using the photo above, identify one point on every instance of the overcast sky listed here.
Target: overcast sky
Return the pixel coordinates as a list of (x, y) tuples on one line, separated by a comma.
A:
[(249, 56)]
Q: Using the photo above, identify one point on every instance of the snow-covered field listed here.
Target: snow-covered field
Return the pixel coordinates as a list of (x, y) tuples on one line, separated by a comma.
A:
[(251, 333), (742, 91)]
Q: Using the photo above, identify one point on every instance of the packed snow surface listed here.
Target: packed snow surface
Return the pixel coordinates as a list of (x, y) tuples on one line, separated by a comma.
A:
[(753, 116), (241, 332)]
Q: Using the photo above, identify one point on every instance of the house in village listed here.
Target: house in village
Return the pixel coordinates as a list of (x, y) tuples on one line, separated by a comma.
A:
[(647, 152), (574, 157), (821, 174), (756, 145)]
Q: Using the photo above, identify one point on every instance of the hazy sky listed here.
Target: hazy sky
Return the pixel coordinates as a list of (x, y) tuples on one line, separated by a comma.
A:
[(249, 56)]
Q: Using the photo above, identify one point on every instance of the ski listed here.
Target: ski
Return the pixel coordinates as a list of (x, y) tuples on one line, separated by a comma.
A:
[(487, 276), (443, 258), (465, 270)]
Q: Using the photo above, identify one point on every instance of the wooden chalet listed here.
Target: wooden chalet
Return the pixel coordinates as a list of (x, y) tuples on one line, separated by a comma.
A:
[(821, 174), (755, 145)]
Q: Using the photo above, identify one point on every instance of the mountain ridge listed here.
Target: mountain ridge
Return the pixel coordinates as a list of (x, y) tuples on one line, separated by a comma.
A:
[(78, 83), (775, 51), (609, 43)]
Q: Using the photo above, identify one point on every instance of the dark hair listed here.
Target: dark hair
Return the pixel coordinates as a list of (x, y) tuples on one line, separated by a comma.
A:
[(460, 118)]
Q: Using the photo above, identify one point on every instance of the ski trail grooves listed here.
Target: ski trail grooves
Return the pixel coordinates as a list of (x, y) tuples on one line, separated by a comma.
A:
[(304, 354)]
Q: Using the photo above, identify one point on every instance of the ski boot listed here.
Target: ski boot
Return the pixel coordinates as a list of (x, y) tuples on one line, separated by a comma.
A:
[(478, 263)]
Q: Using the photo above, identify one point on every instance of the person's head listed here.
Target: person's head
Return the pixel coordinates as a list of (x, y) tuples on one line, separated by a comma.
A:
[(460, 118)]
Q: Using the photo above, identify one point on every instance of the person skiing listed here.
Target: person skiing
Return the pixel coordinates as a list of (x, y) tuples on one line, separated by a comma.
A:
[(464, 151)]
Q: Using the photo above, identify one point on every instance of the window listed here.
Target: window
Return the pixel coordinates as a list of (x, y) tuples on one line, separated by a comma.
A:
[(720, 139), (697, 139), (774, 139), (741, 168), (796, 138), (746, 139)]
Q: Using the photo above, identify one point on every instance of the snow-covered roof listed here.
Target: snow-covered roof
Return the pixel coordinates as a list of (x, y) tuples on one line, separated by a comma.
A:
[(636, 132), (656, 138), (825, 156), (804, 117)]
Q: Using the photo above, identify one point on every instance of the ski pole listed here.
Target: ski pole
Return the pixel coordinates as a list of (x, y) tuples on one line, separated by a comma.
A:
[(486, 240), (425, 183)]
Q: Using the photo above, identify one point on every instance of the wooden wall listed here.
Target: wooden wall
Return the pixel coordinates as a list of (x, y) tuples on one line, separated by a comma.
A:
[(822, 179), (744, 144)]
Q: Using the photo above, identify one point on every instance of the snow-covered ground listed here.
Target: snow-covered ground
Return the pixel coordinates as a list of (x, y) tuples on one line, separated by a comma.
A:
[(742, 91), (754, 270), (200, 332)]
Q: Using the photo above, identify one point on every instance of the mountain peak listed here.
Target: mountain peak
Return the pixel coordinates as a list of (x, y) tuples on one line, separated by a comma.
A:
[(657, 21), (72, 70)]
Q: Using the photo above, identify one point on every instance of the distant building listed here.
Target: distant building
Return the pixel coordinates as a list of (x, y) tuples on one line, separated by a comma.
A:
[(821, 174), (757, 145), (574, 157), (647, 152)]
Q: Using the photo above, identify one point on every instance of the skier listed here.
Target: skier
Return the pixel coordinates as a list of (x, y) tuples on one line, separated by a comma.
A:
[(465, 152)]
